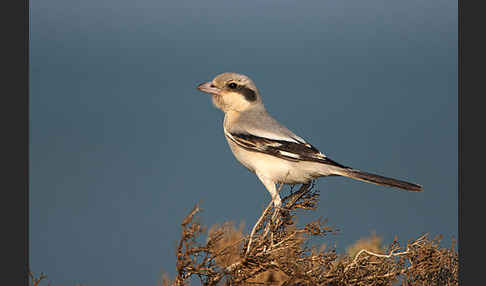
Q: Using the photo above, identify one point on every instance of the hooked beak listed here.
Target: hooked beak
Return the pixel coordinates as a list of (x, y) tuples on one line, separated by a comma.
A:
[(208, 87)]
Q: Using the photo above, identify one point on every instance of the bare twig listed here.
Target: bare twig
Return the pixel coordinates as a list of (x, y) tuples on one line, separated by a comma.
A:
[(257, 224)]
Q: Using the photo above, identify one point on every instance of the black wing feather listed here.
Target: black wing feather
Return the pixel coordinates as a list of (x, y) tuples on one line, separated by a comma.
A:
[(291, 151)]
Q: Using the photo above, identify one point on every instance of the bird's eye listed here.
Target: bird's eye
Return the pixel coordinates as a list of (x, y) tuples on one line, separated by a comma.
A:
[(232, 85)]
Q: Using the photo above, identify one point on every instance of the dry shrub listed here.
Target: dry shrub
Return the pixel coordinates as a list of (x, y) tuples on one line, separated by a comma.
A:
[(277, 252), (231, 242), (371, 243)]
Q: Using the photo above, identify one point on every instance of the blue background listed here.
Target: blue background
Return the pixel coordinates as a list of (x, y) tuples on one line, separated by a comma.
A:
[(123, 145)]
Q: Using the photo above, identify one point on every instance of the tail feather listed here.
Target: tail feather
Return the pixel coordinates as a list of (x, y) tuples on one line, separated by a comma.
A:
[(379, 180)]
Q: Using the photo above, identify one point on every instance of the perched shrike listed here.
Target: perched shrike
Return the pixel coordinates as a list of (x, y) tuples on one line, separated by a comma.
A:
[(270, 150)]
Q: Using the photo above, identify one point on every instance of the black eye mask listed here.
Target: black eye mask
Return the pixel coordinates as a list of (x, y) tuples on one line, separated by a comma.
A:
[(248, 93)]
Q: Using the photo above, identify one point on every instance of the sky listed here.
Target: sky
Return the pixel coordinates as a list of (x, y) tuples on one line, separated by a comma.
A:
[(122, 145)]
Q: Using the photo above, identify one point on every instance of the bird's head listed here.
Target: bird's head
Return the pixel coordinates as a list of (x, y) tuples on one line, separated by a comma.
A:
[(232, 91)]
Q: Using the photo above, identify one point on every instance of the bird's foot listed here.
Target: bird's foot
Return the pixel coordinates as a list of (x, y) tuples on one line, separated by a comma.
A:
[(276, 215), (280, 215), (277, 204)]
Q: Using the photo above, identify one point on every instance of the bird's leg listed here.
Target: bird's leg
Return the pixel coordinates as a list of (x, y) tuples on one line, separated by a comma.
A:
[(277, 203), (272, 189), (280, 209)]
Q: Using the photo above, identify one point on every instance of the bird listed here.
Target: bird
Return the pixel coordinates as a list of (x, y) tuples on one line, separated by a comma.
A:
[(269, 149)]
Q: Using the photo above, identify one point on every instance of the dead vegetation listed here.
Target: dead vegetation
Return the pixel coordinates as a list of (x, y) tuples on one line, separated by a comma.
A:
[(278, 252)]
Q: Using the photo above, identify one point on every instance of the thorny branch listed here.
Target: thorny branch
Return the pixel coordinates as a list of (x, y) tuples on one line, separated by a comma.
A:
[(276, 252)]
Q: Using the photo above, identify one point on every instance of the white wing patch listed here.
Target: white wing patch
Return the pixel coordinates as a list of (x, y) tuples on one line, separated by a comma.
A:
[(320, 155), (288, 154)]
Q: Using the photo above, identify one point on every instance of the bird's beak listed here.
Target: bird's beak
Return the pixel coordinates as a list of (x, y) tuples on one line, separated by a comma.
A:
[(208, 87)]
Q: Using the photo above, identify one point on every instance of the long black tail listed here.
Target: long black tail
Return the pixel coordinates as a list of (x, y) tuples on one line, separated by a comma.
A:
[(379, 180)]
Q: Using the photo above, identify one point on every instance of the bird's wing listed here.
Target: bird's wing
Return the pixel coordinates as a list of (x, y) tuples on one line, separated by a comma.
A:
[(285, 149), (259, 123)]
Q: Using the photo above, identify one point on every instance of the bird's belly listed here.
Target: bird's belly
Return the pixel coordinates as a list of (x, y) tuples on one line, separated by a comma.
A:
[(276, 169)]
